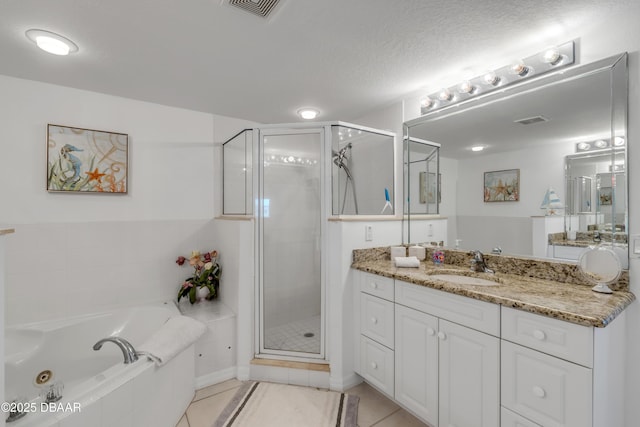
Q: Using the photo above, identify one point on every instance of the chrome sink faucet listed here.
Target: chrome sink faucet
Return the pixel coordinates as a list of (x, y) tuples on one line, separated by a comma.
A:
[(128, 351), (478, 264)]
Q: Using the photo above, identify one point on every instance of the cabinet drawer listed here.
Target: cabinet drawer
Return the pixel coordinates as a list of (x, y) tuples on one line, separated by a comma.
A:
[(376, 365), (544, 389), (379, 286), (511, 419), (376, 319), (478, 315), (556, 337)]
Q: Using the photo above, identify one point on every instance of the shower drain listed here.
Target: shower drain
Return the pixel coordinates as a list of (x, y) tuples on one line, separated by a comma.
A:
[(309, 335), (44, 377)]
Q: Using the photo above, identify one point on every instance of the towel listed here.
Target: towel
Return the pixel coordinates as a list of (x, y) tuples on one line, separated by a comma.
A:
[(409, 261), (178, 333)]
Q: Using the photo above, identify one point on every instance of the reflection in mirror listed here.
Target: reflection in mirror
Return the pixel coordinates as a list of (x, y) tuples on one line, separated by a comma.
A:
[(422, 186), (422, 177), (531, 127), (358, 187), (596, 197)]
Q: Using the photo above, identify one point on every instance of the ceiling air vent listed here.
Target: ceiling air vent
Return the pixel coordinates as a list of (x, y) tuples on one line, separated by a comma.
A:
[(257, 7), (532, 120)]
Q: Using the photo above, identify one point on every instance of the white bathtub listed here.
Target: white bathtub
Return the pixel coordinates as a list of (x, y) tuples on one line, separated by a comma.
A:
[(99, 389)]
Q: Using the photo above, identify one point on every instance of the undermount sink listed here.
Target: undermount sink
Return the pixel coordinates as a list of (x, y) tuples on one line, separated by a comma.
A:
[(463, 280)]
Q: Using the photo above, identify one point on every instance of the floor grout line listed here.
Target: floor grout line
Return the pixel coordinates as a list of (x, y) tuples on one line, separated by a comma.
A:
[(384, 418), (215, 394)]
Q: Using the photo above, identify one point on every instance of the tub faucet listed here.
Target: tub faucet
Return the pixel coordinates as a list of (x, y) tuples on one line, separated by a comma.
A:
[(128, 351), (478, 264)]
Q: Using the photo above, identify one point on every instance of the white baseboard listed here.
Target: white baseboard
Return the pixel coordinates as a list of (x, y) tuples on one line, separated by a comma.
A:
[(215, 377), (243, 373), (344, 383)]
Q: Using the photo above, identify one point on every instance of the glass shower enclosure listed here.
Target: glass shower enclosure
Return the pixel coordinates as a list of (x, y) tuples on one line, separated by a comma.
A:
[(291, 179)]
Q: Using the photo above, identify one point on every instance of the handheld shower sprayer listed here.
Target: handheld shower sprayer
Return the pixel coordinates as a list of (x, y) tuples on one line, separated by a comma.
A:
[(340, 159)]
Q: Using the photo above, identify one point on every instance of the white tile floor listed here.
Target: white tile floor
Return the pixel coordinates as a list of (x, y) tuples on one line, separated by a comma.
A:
[(291, 336), (374, 409)]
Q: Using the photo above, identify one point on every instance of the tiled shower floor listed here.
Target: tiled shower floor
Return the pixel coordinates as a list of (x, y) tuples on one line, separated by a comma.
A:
[(291, 336)]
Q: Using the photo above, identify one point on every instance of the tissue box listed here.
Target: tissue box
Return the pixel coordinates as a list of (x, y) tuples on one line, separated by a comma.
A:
[(418, 252), (398, 251)]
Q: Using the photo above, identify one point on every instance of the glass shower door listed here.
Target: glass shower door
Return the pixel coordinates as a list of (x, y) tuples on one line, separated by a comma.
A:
[(291, 210)]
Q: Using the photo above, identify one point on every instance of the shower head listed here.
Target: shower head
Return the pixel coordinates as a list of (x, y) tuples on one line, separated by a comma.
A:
[(340, 158)]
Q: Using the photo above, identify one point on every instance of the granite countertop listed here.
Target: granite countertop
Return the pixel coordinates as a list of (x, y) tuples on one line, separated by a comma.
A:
[(569, 300)]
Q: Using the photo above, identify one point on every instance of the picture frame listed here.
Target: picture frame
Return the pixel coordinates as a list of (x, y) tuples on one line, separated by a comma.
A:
[(605, 195), (83, 160), (502, 186), (428, 187)]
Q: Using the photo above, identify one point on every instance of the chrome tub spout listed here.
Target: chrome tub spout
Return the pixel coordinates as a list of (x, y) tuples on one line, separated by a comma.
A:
[(128, 351)]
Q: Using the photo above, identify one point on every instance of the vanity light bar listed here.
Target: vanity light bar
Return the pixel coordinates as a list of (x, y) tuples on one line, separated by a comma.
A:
[(599, 144), (535, 65)]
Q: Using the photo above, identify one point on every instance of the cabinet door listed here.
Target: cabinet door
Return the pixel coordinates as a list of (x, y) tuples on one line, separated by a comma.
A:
[(469, 377), (417, 362)]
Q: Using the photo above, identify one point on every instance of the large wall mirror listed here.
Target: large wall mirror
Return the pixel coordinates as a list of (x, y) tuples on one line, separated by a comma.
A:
[(530, 132)]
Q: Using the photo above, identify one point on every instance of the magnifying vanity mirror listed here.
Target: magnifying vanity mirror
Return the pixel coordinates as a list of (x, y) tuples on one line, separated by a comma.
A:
[(534, 137)]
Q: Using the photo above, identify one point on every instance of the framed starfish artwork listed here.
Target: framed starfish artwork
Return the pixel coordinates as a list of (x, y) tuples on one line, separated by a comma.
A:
[(86, 160), (502, 186)]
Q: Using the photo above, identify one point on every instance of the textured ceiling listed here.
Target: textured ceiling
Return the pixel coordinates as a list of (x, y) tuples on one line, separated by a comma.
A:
[(344, 57)]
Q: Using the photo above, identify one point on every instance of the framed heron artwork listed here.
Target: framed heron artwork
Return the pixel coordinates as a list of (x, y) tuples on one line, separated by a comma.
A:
[(86, 160), (502, 186)]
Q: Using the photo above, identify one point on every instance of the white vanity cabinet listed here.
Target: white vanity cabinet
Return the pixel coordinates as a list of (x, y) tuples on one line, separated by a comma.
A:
[(455, 361), (559, 374), (435, 353), (446, 372)]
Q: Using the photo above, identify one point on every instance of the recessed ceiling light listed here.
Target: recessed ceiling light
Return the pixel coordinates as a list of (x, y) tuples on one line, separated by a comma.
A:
[(477, 148), (308, 113), (51, 42)]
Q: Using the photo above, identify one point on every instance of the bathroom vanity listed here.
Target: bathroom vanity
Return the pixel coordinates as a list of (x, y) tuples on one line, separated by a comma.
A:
[(530, 345)]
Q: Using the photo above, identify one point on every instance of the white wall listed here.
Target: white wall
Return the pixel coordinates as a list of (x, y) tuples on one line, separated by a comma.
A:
[(75, 253)]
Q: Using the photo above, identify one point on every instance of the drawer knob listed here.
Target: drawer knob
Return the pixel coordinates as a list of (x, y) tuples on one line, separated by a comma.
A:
[(374, 285), (442, 335), (539, 391), (431, 331), (374, 320), (539, 335), (374, 365)]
